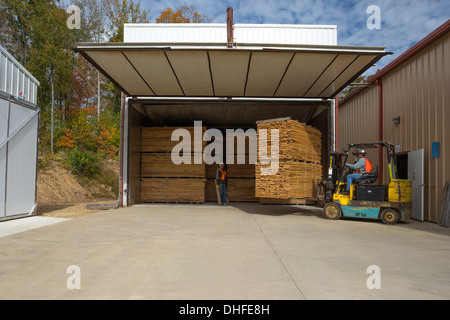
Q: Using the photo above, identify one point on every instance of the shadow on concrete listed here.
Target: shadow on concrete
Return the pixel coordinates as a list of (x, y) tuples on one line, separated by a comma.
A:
[(312, 211), (281, 210), (425, 226), (277, 210)]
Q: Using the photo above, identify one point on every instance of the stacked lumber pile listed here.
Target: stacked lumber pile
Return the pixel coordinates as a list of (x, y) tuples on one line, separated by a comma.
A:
[(161, 179), (294, 180), (296, 140), (238, 190), (156, 165), (299, 168), (158, 139), (241, 190), (240, 178), (233, 171), (173, 190)]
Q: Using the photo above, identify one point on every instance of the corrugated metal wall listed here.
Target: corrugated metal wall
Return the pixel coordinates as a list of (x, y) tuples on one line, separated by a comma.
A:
[(19, 124), (243, 33), (418, 92), (358, 121)]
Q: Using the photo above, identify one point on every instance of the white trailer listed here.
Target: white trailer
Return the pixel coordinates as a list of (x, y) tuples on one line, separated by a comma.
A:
[(19, 125)]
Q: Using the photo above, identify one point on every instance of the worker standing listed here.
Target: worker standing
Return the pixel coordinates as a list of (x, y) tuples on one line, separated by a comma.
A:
[(363, 165), (221, 183)]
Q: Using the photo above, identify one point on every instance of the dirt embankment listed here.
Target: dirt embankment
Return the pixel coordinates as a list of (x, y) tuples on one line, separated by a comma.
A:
[(63, 194)]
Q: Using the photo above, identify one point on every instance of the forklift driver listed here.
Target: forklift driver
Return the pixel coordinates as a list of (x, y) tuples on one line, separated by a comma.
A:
[(363, 165)]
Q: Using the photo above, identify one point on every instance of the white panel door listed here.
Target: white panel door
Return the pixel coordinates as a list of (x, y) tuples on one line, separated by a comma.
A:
[(415, 174)]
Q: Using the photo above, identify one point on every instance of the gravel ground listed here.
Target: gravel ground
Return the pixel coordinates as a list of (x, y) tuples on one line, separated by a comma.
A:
[(69, 210)]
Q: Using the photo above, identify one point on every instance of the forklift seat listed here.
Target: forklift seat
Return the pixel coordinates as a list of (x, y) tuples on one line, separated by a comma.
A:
[(368, 178)]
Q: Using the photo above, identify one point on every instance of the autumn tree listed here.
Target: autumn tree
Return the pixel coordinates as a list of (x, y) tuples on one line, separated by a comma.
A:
[(184, 14)]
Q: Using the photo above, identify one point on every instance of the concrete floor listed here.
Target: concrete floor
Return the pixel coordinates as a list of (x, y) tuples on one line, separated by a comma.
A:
[(243, 251)]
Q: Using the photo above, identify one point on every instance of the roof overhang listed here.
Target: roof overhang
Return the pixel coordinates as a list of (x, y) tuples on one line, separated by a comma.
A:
[(250, 71)]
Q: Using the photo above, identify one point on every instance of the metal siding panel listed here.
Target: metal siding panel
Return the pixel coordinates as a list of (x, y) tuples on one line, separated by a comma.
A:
[(9, 76), (192, 68), (265, 73), (417, 91), (4, 106), (354, 114), (338, 65), (179, 32), (302, 73), (2, 181), (243, 33), (156, 71), (21, 175), (116, 65), (22, 170), (34, 94), (13, 76), (358, 121), (2, 72), (187, 63), (355, 67), (229, 72)]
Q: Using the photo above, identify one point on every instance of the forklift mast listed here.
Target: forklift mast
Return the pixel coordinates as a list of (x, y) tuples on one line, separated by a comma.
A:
[(334, 173)]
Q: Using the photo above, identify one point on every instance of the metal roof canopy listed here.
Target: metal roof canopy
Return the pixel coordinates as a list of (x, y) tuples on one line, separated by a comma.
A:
[(221, 113), (210, 70)]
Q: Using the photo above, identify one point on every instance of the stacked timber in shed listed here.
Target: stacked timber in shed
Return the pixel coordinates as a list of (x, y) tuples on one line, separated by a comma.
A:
[(299, 168), (240, 183), (161, 179), (240, 177)]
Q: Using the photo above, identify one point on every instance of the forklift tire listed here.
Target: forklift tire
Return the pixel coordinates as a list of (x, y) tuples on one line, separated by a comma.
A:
[(389, 216), (332, 211)]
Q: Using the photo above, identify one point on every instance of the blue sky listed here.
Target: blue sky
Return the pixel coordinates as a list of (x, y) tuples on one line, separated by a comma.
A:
[(403, 22)]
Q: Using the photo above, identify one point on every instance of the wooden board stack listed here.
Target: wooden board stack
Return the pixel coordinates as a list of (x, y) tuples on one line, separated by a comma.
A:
[(233, 171), (161, 179), (240, 182), (239, 190), (294, 180), (299, 168), (296, 140), (158, 139), (240, 177), (155, 165), (173, 190)]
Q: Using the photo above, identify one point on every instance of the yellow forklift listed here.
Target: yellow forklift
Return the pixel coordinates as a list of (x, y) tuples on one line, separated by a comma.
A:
[(367, 200)]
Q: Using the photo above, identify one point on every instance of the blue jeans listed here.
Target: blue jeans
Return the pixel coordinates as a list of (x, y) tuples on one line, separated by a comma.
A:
[(351, 178), (223, 192)]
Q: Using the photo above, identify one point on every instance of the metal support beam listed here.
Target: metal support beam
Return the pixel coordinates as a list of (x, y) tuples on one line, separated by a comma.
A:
[(332, 124), (125, 144)]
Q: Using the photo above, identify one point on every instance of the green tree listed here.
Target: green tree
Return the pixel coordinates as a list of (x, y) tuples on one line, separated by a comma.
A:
[(121, 12), (358, 82)]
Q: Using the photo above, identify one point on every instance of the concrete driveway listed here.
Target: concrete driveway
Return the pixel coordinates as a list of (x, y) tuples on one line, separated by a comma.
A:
[(243, 251)]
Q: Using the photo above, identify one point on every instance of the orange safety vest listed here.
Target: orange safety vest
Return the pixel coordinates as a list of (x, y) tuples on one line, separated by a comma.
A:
[(367, 166), (223, 175)]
